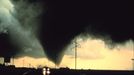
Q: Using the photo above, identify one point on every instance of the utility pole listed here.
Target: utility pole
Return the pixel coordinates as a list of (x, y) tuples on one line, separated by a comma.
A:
[(23, 62), (133, 63), (75, 42), (133, 57), (55, 62), (76, 45), (13, 60)]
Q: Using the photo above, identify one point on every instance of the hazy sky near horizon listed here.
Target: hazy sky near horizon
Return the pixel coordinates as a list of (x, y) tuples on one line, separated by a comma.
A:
[(91, 54)]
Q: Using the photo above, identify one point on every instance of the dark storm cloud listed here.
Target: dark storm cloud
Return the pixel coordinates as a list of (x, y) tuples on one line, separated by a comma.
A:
[(66, 19), (19, 28), (62, 21)]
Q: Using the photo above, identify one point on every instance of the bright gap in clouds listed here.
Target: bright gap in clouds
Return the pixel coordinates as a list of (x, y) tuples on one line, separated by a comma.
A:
[(92, 54), (95, 54)]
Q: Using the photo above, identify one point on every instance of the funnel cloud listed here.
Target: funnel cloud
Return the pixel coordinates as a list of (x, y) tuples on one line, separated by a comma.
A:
[(64, 20), (50, 26)]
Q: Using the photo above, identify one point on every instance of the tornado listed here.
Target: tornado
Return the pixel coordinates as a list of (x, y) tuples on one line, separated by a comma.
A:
[(48, 27), (111, 21)]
